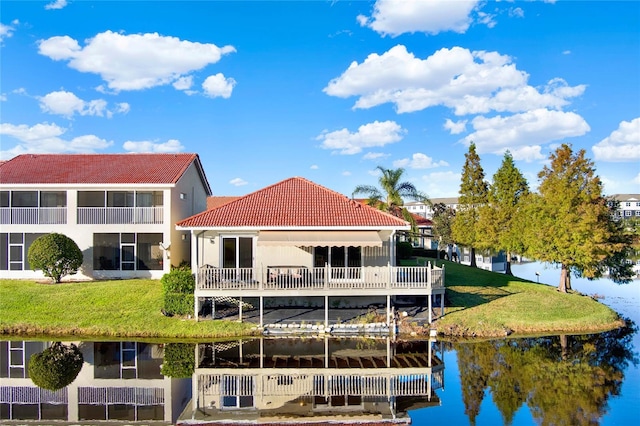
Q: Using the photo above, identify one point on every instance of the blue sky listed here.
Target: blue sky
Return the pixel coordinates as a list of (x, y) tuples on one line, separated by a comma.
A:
[(326, 90)]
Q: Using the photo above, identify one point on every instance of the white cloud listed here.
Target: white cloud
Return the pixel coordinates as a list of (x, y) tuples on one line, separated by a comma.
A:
[(172, 145), (369, 135), (419, 161), (455, 127), (136, 61), (67, 104), (469, 82), (238, 182), (183, 83), (46, 138), (395, 17), (6, 31), (637, 179), (526, 153), (566, 52), (516, 12), (623, 144), (218, 86), (314, 167), (441, 184), (374, 155), (56, 4), (536, 127), (346, 173), (3, 97)]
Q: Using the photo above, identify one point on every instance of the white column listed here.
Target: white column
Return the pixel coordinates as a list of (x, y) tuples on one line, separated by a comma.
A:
[(261, 311), (430, 297), (240, 310), (326, 313)]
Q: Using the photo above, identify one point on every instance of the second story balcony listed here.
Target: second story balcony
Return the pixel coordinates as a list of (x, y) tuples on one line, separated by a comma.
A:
[(120, 215), (33, 215)]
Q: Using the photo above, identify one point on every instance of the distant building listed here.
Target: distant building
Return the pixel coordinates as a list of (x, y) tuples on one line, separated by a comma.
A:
[(423, 209), (628, 205)]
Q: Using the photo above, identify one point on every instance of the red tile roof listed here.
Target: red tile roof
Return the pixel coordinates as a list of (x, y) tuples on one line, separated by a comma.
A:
[(218, 200), (97, 168), (294, 202)]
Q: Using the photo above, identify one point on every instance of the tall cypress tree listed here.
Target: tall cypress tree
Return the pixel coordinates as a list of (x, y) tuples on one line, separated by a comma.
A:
[(473, 195), (500, 226), (569, 220)]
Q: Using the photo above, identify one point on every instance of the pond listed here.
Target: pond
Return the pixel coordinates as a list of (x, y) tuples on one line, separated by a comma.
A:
[(583, 379)]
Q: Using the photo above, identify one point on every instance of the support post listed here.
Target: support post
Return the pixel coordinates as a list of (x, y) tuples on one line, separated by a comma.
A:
[(388, 310), (196, 306), (326, 313), (261, 311), (430, 298), (240, 310)]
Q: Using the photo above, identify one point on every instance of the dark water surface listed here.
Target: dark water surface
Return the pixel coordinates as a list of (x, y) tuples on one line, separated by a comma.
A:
[(554, 380)]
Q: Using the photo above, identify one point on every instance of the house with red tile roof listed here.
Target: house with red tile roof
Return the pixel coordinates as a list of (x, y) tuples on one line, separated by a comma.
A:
[(120, 209), (296, 238)]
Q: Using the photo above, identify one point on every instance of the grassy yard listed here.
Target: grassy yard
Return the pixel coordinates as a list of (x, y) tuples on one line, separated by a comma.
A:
[(479, 303), (123, 308), (483, 303)]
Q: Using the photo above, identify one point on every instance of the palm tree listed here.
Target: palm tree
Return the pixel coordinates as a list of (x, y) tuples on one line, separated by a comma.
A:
[(389, 197)]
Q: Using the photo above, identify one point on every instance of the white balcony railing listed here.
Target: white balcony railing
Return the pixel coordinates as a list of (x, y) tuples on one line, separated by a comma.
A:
[(33, 215), (118, 215), (322, 278)]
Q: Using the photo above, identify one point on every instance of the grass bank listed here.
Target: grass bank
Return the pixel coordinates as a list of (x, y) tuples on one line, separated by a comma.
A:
[(483, 303), (479, 304), (123, 308)]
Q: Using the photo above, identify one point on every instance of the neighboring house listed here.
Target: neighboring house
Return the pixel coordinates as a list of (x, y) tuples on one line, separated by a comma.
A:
[(628, 205), (120, 209), (298, 239), (119, 383), (423, 209)]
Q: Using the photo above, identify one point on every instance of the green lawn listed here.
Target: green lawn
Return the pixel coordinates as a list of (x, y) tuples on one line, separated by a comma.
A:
[(479, 303), (483, 303), (123, 308)]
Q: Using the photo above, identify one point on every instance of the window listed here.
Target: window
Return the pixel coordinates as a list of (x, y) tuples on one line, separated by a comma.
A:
[(4, 198), (24, 199), (120, 198), (628, 204), (53, 199), (637, 212), (127, 252), (13, 250), (627, 212), (91, 199)]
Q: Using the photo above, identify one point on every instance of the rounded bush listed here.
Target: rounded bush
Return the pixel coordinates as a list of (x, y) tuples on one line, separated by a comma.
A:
[(56, 255), (178, 281), (55, 367), (404, 250), (179, 360)]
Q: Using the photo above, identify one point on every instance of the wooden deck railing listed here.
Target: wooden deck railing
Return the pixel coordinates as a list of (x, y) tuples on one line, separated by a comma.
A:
[(322, 278)]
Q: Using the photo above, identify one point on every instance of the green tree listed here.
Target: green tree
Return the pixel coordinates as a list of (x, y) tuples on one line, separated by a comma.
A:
[(390, 196), (569, 220), (56, 255), (443, 217), (55, 367), (473, 195), (501, 224), (179, 360)]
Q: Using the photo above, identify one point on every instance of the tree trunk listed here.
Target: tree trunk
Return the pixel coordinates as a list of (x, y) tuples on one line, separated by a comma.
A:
[(473, 258), (564, 345), (565, 280), (507, 270)]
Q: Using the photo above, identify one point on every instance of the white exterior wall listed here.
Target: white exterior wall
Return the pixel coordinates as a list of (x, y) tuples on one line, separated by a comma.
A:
[(189, 197)]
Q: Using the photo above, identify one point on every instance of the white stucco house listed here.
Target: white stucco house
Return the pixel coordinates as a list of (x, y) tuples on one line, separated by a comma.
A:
[(120, 209), (298, 239)]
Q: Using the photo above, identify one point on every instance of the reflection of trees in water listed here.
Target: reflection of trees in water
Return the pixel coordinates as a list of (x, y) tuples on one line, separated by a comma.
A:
[(562, 379), (55, 367)]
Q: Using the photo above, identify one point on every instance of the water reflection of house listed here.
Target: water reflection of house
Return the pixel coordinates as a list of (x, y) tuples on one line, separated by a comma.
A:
[(120, 382), (272, 381)]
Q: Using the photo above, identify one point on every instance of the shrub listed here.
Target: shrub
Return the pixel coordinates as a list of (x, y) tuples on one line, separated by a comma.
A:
[(431, 253), (56, 255), (55, 367), (179, 303), (178, 286), (404, 249), (179, 360), (178, 281)]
